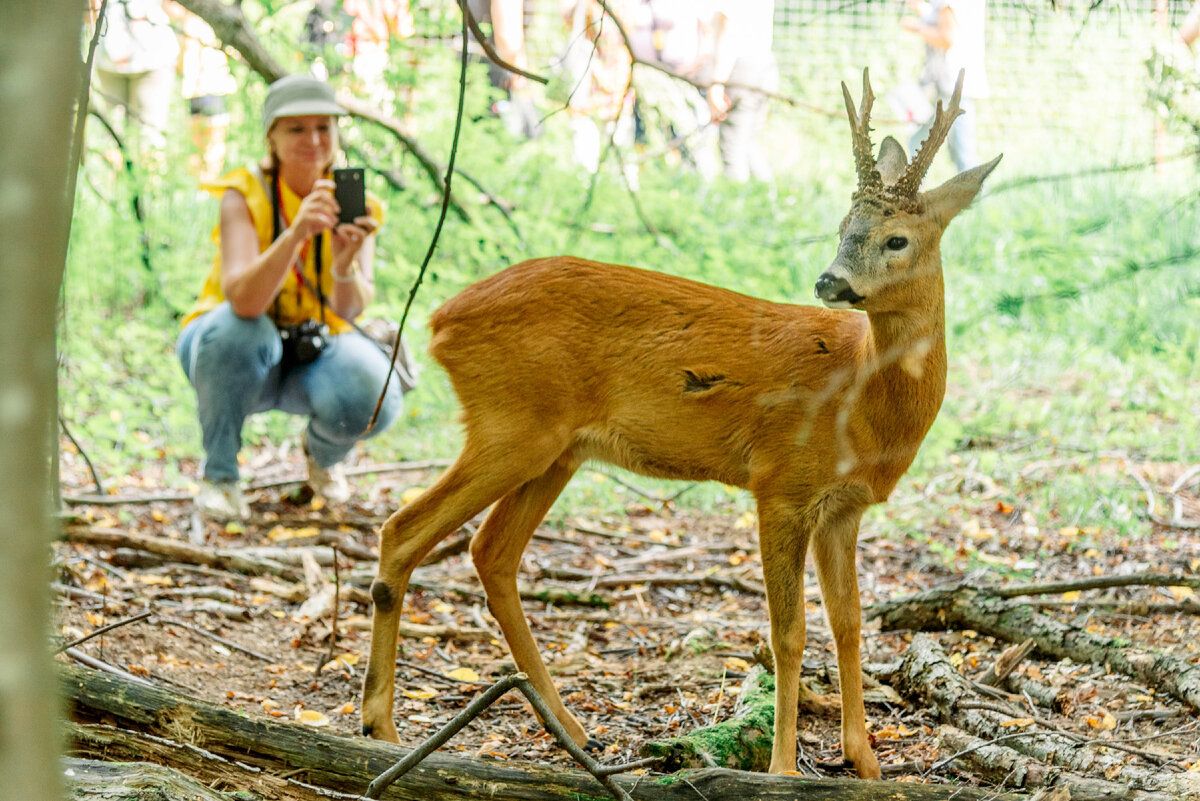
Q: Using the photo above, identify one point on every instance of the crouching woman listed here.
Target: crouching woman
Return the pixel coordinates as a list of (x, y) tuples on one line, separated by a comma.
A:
[(270, 329)]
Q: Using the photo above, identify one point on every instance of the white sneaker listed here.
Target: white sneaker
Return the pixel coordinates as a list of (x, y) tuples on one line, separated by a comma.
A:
[(222, 500), (328, 482)]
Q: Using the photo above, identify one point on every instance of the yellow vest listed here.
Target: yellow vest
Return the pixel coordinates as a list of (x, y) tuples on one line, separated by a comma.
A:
[(295, 302)]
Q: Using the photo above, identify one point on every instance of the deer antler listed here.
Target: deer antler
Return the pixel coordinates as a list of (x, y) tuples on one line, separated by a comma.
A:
[(860, 137), (914, 173)]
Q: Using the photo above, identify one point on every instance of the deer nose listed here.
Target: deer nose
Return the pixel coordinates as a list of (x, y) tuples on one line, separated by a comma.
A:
[(834, 289)]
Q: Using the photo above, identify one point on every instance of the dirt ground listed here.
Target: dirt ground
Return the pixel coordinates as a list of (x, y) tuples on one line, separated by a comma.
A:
[(667, 656)]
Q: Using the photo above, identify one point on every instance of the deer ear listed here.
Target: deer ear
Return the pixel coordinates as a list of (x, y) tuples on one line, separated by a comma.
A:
[(956, 194), (892, 160)]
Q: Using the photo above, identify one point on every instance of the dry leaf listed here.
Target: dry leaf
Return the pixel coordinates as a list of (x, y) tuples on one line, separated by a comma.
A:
[(418, 694), (1104, 723), (1019, 723), (737, 663), (311, 717), (411, 494), (463, 674)]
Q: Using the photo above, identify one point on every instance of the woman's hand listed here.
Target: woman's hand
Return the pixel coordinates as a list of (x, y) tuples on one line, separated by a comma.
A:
[(318, 211), (348, 239)]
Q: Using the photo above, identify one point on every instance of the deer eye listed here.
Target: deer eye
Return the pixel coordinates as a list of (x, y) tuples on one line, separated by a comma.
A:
[(897, 243)]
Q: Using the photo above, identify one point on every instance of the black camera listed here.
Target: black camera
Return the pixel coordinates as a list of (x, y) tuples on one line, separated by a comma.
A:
[(303, 342)]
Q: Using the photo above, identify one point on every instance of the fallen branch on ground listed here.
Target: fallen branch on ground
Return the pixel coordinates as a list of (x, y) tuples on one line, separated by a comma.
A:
[(927, 676), (1007, 766), (971, 608), (348, 764)]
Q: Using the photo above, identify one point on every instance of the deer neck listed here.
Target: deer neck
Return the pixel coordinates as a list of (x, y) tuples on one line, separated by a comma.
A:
[(902, 380)]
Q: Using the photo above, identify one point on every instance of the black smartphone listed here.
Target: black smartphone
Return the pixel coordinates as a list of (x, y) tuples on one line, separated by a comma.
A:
[(350, 193)]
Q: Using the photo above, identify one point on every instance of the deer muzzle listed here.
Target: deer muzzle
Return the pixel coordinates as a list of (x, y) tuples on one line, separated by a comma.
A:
[(836, 292)]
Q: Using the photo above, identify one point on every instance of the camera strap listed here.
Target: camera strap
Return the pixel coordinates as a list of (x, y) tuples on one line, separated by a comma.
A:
[(405, 369), (278, 224)]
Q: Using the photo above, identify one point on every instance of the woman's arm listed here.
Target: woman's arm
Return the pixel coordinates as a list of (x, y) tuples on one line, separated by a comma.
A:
[(353, 267), (940, 35), (250, 279)]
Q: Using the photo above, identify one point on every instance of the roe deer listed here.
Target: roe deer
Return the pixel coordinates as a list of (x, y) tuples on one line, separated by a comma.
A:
[(816, 411)]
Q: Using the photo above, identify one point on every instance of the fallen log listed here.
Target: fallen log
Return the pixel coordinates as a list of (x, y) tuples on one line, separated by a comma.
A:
[(348, 765), (177, 551), (112, 744), (1005, 765), (927, 676), (88, 780), (971, 608)]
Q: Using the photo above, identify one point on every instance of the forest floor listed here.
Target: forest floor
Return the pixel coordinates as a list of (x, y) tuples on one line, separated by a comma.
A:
[(656, 626)]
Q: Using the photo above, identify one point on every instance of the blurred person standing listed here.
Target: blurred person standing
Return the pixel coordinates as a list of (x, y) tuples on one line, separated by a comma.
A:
[(206, 82), (600, 68), (671, 33), (517, 110), (373, 23), (953, 33), (135, 66), (742, 61)]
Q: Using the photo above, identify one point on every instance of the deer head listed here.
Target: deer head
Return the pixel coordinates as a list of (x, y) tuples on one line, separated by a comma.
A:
[(888, 257)]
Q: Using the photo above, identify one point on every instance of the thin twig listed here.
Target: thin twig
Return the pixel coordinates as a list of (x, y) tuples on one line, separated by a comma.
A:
[(492, 55), (217, 638), (104, 630), (1098, 582), (437, 231), (521, 682), (62, 422), (333, 630), (93, 662)]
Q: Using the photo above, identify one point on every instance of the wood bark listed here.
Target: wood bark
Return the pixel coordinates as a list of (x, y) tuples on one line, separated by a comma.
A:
[(109, 743), (347, 765), (927, 676), (970, 608), (41, 71), (183, 552), (1006, 766), (90, 780)]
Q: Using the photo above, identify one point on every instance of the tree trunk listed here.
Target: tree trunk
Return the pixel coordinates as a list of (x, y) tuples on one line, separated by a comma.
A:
[(40, 68), (969, 608), (348, 764)]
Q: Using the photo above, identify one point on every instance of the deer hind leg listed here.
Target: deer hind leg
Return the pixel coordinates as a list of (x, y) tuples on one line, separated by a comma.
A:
[(834, 549), (496, 551), (477, 479), (783, 542)]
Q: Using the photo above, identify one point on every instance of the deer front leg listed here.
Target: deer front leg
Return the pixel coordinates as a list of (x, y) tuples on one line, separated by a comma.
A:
[(834, 550), (462, 492), (783, 542), (496, 552)]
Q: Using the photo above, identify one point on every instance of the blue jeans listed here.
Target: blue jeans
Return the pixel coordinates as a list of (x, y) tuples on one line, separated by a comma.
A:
[(233, 363), (960, 140)]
